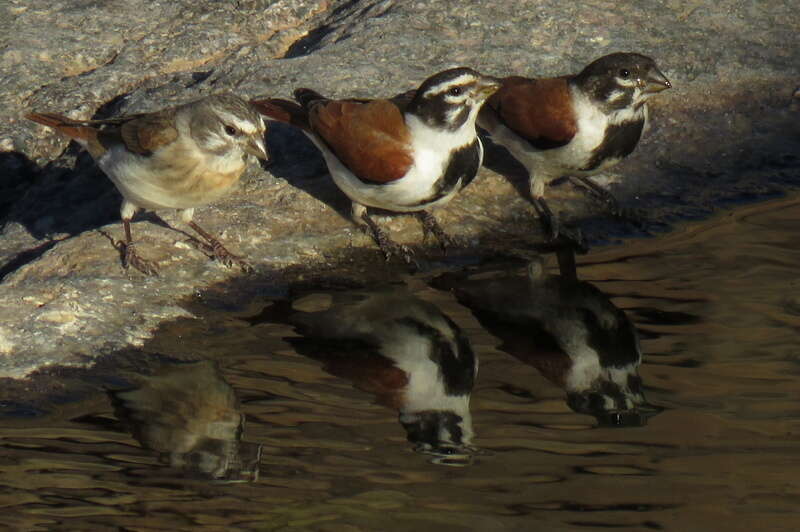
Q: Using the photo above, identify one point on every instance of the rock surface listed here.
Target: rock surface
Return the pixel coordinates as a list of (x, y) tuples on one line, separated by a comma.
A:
[(727, 131)]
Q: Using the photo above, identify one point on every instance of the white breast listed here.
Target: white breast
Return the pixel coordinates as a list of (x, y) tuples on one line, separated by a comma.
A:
[(177, 176), (567, 160)]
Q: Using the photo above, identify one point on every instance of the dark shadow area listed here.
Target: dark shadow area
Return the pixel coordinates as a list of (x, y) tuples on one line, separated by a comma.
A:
[(497, 159), (294, 158), (53, 200), (312, 41)]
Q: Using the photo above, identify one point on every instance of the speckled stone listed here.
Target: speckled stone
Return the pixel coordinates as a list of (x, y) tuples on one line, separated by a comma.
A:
[(727, 130)]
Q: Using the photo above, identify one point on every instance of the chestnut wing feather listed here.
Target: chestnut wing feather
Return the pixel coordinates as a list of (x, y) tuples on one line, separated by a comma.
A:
[(374, 374), (370, 138), (540, 110)]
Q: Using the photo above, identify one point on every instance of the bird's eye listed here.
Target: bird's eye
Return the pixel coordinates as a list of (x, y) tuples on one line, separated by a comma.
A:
[(232, 131), (624, 73), (454, 91)]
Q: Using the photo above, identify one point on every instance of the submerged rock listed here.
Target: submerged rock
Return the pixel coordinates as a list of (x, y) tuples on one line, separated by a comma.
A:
[(726, 131)]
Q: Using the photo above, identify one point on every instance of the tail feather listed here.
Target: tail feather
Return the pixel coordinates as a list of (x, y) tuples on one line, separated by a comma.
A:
[(283, 111), (74, 129), (307, 96)]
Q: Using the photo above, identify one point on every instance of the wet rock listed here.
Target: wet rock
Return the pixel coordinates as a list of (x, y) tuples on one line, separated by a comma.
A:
[(726, 131)]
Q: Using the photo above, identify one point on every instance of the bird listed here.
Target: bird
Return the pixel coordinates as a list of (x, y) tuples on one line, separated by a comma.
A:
[(574, 125), (406, 154), (567, 329), (190, 416), (180, 158), (405, 351)]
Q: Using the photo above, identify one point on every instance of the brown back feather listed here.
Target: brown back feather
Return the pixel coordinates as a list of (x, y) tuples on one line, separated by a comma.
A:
[(370, 138), (540, 110)]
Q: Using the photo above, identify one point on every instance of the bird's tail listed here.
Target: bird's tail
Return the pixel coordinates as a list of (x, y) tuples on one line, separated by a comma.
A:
[(75, 129), (307, 96), (283, 111)]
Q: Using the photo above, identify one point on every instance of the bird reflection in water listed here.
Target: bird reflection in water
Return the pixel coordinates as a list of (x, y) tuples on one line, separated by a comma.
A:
[(407, 353), (190, 416), (567, 329)]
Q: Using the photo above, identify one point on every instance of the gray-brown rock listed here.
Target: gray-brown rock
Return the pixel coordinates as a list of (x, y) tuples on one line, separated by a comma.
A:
[(726, 131)]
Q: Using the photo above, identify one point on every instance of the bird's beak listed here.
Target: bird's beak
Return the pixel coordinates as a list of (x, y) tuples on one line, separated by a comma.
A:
[(486, 86), (255, 146), (655, 82)]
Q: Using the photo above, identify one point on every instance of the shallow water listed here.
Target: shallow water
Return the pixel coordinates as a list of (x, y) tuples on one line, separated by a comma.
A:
[(263, 437)]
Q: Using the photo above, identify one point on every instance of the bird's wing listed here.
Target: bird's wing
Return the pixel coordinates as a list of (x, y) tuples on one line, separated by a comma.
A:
[(540, 110), (147, 133), (140, 133), (369, 137)]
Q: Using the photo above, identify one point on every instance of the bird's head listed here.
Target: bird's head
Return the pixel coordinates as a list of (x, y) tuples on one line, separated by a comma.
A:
[(622, 80), (225, 123)]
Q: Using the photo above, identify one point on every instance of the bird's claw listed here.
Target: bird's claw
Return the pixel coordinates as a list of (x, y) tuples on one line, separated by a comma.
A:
[(131, 258), (218, 252)]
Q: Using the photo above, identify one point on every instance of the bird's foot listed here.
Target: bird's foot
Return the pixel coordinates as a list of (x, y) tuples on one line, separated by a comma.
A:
[(558, 234), (218, 252), (598, 193), (431, 227), (571, 237), (131, 258), (388, 246)]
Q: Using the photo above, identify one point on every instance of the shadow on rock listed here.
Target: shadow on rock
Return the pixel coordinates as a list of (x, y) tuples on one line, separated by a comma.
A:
[(295, 159), (55, 199), (53, 202)]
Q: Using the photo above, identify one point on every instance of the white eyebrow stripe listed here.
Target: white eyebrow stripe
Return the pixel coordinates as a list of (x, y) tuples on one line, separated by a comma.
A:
[(245, 126), (626, 82), (615, 95), (463, 79)]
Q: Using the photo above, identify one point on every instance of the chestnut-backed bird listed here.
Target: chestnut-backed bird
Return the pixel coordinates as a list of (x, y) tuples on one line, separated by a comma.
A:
[(406, 155), (576, 125)]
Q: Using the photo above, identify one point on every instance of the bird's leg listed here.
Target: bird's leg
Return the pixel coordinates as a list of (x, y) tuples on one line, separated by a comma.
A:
[(554, 231), (129, 255), (431, 226), (388, 246), (219, 252), (549, 221), (614, 208), (546, 217), (598, 192)]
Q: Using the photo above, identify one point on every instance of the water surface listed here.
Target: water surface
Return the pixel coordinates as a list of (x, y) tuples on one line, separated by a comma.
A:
[(262, 436)]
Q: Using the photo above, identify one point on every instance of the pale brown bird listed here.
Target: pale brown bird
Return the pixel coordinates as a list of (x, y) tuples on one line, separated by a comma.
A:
[(177, 158)]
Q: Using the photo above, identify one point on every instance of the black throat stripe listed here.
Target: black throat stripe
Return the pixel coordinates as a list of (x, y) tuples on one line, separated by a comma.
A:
[(619, 141)]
